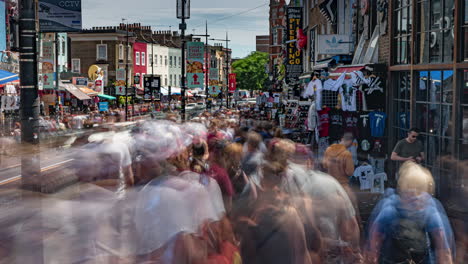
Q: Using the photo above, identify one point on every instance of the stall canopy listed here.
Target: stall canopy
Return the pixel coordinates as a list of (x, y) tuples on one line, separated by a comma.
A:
[(75, 91), (105, 96), (6, 77), (174, 91), (346, 69), (89, 92)]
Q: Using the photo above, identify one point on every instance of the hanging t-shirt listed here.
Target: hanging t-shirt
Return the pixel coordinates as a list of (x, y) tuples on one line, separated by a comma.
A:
[(314, 88), (348, 96), (378, 149), (324, 122), (378, 164), (365, 174), (336, 124), (312, 118), (351, 122), (374, 94), (378, 183), (377, 123), (334, 85), (404, 122), (364, 126), (365, 145)]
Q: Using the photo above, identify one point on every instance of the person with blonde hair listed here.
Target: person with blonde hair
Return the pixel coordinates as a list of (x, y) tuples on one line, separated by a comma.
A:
[(409, 225)]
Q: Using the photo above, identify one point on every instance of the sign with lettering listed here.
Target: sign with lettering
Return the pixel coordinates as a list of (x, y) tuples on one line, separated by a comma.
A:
[(59, 15), (232, 82), (120, 83), (195, 58), (334, 44), (48, 59), (294, 54)]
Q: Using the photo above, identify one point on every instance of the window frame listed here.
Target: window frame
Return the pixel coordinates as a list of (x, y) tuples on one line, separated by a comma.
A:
[(74, 69), (98, 57), (143, 58), (121, 52), (137, 58)]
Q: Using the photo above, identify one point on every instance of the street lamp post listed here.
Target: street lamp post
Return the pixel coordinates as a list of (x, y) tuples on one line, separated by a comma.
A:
[(126, 71), (183, 12)]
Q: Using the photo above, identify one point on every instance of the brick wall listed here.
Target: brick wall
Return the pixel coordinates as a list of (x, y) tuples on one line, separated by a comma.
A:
[(384, 49)]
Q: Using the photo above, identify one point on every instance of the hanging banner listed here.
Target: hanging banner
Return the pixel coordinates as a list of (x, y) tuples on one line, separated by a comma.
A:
[(214, 81), (195, 57), (293, 54), (48, 60), (103, 106), (120, 84), (232, 82), (59, 15)]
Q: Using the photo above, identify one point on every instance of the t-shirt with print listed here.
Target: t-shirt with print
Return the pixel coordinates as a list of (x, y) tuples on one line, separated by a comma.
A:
[(378, 183), (377, 123), (336, 124), (405, 149), (404, 122), (365, 174), (374, 94), (351, 122), (324, 121), (364, 126), (348, 96)]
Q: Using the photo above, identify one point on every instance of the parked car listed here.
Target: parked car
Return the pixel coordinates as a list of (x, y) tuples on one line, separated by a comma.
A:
[(190, 106), (201, 105)]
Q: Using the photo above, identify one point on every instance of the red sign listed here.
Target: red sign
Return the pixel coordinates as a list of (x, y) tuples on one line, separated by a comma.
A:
[(232, 82)]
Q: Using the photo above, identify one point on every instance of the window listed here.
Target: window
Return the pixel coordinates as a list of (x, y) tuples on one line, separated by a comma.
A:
[(76, 64), (165, 60), (180, 81), (143, 58), (64, 47), (121, 52), (170, 61), (137, 58), (180, 62), (150, 57), (165, 80), (101, 52), (434, 43), (156, 59), (129, 52), (275, 37), (401, 104), (402, 35), (160, 59), (170, 79)]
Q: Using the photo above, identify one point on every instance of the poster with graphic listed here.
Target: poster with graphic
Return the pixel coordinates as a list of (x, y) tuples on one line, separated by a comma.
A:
[(214, 81), (120, 84), (232, 82), (195, 57), (48, 59), (59, 15)]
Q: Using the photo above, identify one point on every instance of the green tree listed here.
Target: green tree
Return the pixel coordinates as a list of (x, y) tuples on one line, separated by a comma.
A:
[(250, 71)]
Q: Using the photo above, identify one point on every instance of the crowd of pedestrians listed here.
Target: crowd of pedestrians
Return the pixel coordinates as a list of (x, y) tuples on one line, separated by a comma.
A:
[(224, 189)]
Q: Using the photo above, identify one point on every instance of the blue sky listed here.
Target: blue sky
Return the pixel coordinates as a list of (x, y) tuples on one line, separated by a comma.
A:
[(161, 15)]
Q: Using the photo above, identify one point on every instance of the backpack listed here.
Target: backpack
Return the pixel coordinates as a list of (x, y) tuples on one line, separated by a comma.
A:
[(410, 241)]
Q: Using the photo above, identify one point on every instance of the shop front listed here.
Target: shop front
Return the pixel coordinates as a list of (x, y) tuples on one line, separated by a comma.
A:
[(428, 80)]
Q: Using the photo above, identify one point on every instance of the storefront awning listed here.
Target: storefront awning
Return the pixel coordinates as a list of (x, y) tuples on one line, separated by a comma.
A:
[(105, 96), (75, 91), (6, 77), (322, 64), (348, 69)]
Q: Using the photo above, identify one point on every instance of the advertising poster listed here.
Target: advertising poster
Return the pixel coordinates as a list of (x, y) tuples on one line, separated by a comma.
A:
[(48, 59), (214, 90), (232, 82), (103, 106), (213, 82), (293, 54), (59, 15), (195, 57), (120, 84)]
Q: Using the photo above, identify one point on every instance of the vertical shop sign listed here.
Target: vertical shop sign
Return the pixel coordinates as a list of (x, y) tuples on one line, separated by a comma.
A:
[(120, 85), (294, 55), (214, 81), (195, 56), (48, 59), (232, 82)]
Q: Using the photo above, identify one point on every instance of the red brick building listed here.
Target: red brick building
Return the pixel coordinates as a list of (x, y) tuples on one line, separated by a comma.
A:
[(277, 29), (139, 58)]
